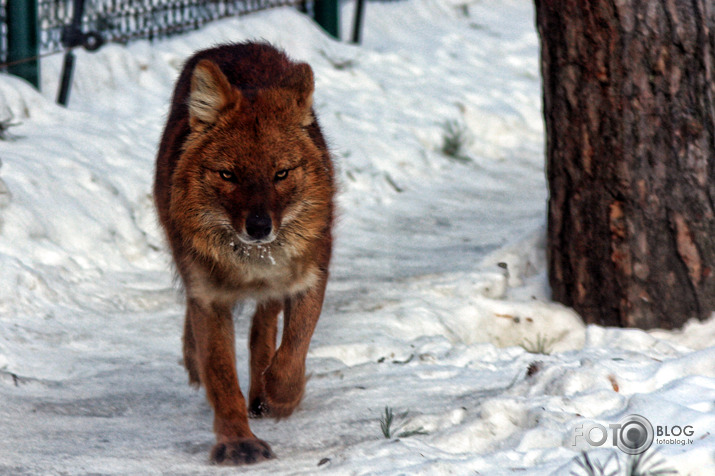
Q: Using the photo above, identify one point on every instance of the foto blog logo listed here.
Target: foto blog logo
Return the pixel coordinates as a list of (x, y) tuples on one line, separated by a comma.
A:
[(633, 434)]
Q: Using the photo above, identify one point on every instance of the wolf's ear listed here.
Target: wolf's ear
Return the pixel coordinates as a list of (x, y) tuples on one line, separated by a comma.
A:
[(210, 94), (300, 80)]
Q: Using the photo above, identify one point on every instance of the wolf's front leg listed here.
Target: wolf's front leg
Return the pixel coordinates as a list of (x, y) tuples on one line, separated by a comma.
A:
[(285, 377), (213, 334), (262, 344)]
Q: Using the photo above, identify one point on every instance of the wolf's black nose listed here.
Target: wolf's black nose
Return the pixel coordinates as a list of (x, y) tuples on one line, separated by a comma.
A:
[(258, 225)]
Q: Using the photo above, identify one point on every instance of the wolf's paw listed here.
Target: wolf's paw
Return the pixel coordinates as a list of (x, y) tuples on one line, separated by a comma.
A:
[(281, 394), (280, 410), (243, 451), (264, 407), (267, 407)]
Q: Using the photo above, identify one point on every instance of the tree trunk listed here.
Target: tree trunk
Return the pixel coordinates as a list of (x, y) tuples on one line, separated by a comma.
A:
[(630, 142)]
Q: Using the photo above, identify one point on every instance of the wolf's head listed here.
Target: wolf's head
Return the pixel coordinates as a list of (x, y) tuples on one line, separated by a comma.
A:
[(250, 174)]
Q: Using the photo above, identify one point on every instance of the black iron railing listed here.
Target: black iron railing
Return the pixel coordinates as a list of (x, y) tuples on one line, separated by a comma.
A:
[(30, 29), (124, 20)]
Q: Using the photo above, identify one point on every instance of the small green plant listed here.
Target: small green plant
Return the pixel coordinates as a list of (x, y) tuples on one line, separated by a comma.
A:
[(644, 465), (542, 345), (594, 467), (636, 465), (455, 140), (388, 418), (386, 422)]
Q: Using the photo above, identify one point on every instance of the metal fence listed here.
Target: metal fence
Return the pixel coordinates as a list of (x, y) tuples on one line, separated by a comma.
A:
[(124, 20)]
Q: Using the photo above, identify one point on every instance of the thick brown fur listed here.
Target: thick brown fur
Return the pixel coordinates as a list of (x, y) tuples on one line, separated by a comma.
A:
[(244, 191)]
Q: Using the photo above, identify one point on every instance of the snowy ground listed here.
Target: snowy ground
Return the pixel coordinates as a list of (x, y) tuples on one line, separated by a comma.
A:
[(419, 316)]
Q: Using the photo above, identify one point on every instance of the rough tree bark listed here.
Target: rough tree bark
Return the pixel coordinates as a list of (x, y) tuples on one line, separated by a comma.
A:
[(628, 92)]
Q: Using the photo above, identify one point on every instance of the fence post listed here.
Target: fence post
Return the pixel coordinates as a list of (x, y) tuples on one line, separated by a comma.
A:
[(357, 21), (71, 37), (22, 40), (327, 16)]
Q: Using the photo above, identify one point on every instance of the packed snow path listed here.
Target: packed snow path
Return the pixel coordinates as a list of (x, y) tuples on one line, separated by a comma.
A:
[(420, 317)]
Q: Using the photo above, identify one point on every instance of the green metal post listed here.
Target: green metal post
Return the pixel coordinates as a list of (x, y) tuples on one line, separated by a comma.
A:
[(327, 15), (357, 21), (22, 40)]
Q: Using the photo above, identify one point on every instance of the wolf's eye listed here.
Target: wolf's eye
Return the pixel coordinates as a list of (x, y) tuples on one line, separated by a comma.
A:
[(227, 175), (281, 174)]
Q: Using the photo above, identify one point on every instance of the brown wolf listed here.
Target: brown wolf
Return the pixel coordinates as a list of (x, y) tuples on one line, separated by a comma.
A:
[(244, 190)]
